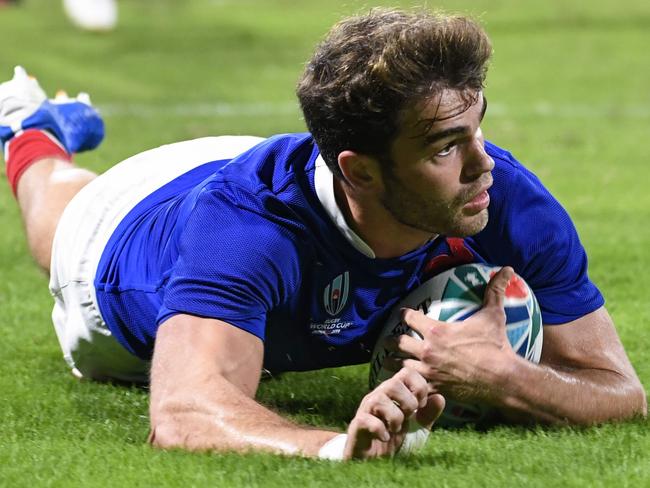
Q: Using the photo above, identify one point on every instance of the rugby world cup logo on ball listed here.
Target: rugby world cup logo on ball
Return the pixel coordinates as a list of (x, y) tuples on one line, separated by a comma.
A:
[(453, 296)]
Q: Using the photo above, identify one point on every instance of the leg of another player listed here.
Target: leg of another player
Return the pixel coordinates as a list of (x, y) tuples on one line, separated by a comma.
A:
[(43, 191)]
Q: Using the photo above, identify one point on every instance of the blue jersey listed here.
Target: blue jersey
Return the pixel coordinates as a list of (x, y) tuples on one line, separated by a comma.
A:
[(258, 242)]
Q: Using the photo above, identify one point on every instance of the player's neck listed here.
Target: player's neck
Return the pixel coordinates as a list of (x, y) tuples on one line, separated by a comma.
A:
[(370, 220)]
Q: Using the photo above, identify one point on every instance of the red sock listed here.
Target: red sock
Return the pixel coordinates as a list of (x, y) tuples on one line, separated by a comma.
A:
[(27, 148)]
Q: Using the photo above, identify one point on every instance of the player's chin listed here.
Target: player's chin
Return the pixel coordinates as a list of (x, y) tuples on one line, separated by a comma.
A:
[(470, 223)]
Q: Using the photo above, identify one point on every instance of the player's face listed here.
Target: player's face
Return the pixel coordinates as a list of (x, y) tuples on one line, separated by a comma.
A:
[(440, 171)]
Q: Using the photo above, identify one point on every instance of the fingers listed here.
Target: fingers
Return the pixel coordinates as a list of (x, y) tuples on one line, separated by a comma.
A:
[(417, 321), (389, 413), (496, 288), (397, 398), (396, 364), (408, 353), (416, 386), (405, 345), (383, 423), (366, 423), (430, 403), (392, 402), (434, 406), (384, 412)]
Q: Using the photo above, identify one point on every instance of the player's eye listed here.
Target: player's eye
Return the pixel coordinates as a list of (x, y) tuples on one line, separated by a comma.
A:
[(446, 151)]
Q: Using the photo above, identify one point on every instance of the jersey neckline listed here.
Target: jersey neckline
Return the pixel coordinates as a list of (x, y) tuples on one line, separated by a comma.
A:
[(324, 188)]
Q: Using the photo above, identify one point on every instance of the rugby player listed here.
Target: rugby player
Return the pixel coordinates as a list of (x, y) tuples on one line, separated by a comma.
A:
[(197, 265)]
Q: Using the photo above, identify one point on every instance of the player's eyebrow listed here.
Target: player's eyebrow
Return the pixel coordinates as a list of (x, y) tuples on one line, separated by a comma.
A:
[(451, 131)]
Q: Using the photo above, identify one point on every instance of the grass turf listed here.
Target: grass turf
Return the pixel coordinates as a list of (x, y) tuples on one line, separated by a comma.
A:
[(568, 95)]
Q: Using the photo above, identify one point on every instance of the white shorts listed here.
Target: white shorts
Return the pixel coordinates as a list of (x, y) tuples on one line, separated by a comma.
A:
[(81, 235)]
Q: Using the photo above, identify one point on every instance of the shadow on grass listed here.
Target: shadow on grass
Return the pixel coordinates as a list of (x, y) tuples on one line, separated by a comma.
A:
[(324, 398), (320, 398), (111, 410)]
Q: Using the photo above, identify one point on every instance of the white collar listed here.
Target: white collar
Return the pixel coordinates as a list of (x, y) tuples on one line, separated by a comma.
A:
[(324, 183)]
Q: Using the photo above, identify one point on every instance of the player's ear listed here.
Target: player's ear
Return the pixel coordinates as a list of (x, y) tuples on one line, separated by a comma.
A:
[(360, 171)]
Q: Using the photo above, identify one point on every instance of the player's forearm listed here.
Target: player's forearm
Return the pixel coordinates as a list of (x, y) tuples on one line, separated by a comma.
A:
[(576, 396), (199, 402), (227, 420)]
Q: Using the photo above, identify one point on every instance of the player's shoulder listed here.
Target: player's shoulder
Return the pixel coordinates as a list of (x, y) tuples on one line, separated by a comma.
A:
[(263, 182), (519, 201), (518, 195), (510, 175), (504, 162)]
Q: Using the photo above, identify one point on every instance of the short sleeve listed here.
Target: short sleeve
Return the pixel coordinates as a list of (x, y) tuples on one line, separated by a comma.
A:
[(234, 264), (530, 231)]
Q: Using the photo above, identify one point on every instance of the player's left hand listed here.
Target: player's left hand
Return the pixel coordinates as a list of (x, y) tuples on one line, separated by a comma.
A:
[(465, 360), (395, 417)]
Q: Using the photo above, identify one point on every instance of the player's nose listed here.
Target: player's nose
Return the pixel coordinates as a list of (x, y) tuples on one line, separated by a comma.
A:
[(478, 161)]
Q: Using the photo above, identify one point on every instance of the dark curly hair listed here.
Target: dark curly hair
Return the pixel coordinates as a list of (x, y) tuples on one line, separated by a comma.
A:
[(370, 68)]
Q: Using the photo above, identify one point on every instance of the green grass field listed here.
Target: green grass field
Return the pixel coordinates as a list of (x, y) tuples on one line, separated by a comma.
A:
[(569, 91)]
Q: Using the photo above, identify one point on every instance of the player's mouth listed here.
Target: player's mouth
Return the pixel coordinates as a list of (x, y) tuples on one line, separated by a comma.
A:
[(479, 202)]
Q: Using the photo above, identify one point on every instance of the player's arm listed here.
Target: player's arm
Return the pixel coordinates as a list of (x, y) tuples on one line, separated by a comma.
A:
[(204, 377), (584, 376)]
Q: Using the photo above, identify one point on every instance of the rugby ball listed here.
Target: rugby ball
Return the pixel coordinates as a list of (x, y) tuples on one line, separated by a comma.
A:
[(453, 296)]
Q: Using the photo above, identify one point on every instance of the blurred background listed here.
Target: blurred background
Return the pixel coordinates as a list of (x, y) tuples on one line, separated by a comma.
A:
[(569, 96)]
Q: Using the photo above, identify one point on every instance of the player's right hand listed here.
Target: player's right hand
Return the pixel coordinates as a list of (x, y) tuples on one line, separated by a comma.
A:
[(386, 414), (460, 359)]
